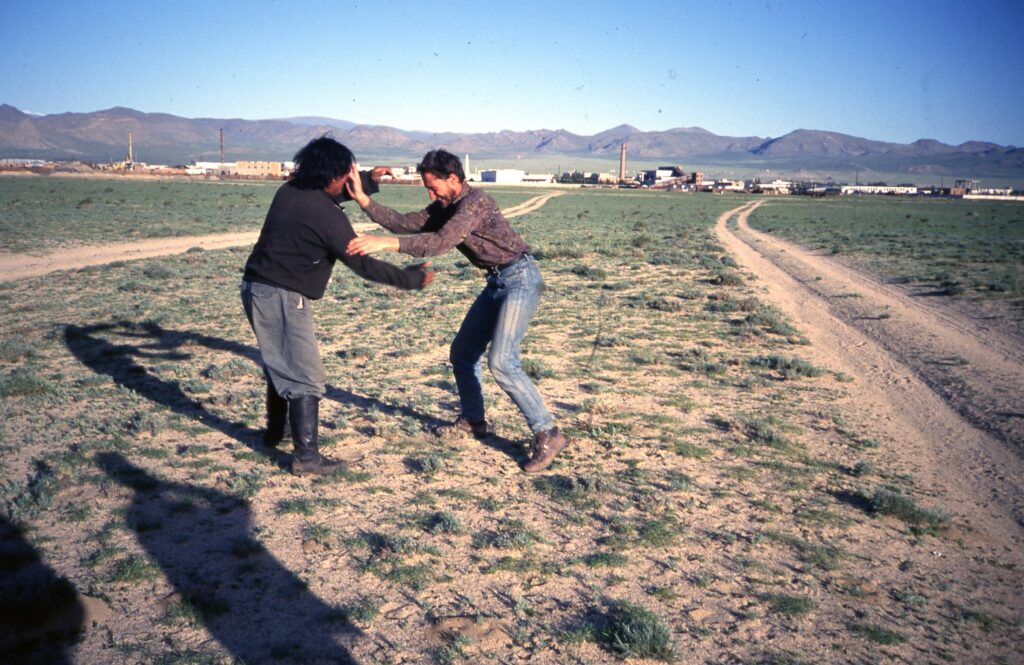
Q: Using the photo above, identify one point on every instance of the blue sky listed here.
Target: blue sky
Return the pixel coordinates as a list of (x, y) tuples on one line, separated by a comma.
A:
[(891, 71)]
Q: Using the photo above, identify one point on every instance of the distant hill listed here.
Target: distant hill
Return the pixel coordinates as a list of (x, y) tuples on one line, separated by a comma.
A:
[(162, 138)]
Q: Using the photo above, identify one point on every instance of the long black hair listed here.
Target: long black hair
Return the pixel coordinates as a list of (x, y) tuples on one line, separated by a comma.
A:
[(441, 164), (319, 162)]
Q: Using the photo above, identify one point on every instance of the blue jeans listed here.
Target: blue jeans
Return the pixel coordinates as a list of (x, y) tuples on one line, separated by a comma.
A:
[(283, 323), (499, 317)]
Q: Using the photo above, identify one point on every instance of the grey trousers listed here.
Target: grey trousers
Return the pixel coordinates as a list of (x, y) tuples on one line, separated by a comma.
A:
[(283, 323)]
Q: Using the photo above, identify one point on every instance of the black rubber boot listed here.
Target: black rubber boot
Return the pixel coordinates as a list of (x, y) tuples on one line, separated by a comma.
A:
[(304, 413), (277, 416)]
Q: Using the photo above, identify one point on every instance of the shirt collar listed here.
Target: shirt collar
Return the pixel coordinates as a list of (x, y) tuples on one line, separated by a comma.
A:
[(463, 193)]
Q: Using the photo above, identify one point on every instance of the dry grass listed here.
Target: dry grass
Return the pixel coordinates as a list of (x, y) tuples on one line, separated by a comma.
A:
[(708, 509)]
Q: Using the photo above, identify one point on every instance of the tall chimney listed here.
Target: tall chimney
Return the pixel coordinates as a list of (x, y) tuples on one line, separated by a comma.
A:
[(222, 147), (622, 163)]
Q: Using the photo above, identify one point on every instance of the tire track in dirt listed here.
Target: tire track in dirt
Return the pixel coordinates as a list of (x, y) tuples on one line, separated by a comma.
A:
[(530, 205), (976, 474), (22, 266), (979, 372)]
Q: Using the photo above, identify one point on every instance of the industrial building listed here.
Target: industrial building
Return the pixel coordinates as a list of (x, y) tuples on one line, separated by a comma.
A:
[(515, 177)]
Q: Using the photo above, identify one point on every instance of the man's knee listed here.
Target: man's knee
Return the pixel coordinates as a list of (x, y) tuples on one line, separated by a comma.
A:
[(504, 367), (460, 356)]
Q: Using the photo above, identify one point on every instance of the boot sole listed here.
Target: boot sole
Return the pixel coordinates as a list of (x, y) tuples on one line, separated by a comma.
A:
[(345, 464)]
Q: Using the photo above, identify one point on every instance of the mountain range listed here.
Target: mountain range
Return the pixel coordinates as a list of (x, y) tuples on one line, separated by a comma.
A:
[(102, 136)]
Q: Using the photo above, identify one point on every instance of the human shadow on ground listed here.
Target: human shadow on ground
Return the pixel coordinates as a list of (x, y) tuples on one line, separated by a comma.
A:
[(224, 579), (427, 422), (513, 449), (366, 403), (93, 347), (41, 616)]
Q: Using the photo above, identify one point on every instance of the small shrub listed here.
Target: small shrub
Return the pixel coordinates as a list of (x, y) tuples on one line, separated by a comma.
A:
[(727, 278), (790, 368), (633, 631), (577, 490), (687, 449), (591, 273), (300, 506), (133, 569), (233, 368), (246, 485), (877, 634), (678, 481), (789, 605), (762, 430), (666, 304), (904, 508), (440, 522), (365, 611), (606, 560), (771, 320), (536, 370), (159, 271), (24, 382), (12, 350), (645, 357), (510, 534), (357, 352), (427, 465)]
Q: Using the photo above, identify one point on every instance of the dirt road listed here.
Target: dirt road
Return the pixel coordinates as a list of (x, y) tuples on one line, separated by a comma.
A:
[(21, 266), (946, 395)]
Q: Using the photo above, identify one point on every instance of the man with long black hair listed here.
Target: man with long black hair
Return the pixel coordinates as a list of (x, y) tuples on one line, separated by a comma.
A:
[(304, 233), (469, 220)]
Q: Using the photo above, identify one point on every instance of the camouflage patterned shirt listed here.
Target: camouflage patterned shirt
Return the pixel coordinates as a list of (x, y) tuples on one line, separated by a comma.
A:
[(472, 223)]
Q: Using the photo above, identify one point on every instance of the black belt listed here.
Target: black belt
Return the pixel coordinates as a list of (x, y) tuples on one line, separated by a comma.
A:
[(494, 270)]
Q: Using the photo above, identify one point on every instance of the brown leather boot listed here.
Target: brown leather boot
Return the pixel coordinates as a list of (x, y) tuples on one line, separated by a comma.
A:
[(462, 425), (546, 445)]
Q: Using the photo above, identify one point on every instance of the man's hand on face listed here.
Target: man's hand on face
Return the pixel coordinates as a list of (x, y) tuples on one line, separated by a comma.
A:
[(354, 186), (379, 172)]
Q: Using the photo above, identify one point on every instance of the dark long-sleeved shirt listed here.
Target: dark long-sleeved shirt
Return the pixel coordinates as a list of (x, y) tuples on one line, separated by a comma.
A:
[(304, 233), (472, 223)]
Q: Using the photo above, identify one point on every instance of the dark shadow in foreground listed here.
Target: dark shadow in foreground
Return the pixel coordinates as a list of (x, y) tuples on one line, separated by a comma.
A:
[(224, 579), (40, 614)]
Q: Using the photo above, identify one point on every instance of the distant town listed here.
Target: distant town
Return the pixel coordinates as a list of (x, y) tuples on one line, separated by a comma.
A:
[(667, 178)]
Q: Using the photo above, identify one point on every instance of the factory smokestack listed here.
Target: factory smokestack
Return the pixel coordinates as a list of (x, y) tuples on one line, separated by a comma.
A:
[(622, 163), (222, 147), (129, 162)]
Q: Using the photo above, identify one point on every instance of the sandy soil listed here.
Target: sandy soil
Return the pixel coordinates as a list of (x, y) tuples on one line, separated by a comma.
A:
[(21, 266), (949, 394), (940, 391)]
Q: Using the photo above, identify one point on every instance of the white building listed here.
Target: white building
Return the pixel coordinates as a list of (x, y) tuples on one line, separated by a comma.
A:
[(502, 175), (879, 189), (211, 168), (774, 187)]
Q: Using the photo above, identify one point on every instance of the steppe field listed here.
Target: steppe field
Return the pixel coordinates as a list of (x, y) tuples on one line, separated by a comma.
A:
[(797, 428)]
